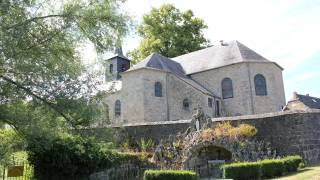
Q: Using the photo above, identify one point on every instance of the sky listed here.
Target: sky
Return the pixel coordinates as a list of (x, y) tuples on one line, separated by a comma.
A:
[(284, 31)]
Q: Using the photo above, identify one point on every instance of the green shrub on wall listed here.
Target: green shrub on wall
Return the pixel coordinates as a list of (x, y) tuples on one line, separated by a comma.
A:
[(242, 170), (271, 168), (291, 163), (170, 175)]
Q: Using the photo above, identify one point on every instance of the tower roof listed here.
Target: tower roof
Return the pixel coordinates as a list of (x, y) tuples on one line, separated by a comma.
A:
[(118, 53)]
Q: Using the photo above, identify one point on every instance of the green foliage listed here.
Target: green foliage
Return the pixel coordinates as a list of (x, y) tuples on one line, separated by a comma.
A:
[(73, 157), (170, 174), (242, 170), (169, 32), (40, 62), (272, 168), (292, 163), (144, 145), (267, 168), (9, 143)]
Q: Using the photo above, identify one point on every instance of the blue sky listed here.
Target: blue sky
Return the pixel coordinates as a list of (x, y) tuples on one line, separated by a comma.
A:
[(284, 31)]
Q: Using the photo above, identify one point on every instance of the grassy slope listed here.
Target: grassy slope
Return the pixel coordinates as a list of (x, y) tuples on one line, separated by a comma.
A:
[(308, 173)]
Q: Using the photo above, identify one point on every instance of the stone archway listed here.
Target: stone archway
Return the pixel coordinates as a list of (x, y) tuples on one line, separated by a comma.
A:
[(206, 158)]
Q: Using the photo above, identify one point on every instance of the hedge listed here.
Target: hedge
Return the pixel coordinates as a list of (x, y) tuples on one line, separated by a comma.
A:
[(291, 163), (268, 168), (242, 170), (170, 175), (271, 168)]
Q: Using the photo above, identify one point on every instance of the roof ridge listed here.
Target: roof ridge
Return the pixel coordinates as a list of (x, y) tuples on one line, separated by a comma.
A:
[(239, 51)]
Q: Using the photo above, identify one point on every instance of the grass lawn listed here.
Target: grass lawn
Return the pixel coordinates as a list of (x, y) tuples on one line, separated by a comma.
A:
[(307, 173)]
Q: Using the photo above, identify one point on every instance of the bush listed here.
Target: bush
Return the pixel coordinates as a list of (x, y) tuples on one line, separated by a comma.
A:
[(170, 175), (272, 168), (72, 157), (291, 163), (268, 168), (242, 170)]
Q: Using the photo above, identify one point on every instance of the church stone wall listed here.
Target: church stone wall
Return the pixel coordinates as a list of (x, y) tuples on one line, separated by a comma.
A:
[(110, 101), (241, 102), (275, 99), (155, 108), (178, 90)]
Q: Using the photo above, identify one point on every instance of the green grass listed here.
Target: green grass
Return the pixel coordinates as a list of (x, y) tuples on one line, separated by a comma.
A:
[(307, 173)]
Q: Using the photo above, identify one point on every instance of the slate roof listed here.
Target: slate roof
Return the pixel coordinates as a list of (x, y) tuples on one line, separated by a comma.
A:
[(218, 56), (118, 53), (311, 102), (158, 61)]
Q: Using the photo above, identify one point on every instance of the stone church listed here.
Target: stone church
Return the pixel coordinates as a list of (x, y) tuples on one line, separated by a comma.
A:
[(228, 79)]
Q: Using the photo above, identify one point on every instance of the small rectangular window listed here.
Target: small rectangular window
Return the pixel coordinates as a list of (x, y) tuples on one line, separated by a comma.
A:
[(111, 68), (210, 102), (218, 108)]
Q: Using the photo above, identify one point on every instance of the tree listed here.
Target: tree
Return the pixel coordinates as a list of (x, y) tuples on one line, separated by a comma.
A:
[(169, 32), (39, 62)]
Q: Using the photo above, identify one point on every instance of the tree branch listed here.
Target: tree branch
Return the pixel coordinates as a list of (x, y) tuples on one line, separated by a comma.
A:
[(36, 19), (52, 106)]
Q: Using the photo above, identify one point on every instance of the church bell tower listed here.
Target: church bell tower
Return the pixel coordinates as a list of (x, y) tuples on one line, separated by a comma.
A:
[(115, 65)]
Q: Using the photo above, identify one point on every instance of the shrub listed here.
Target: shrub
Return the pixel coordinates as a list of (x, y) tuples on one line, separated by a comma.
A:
[(225, 129), (291, 163), (242, 170), (267, 168), (170, 175), (72, 157), (272, 168)]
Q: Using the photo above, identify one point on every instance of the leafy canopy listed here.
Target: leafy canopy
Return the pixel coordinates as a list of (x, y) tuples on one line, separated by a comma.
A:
[(39, 61), (169, 32)]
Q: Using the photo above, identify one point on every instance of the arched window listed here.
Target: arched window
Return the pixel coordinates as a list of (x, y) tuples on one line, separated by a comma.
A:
[(158, 89), (260, 85), (107, 113), (117, 108), (227, 89), (186, 104)]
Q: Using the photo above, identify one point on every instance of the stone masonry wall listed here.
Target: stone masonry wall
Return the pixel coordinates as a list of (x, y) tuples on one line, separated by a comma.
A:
[(289, 132), (244, 99)]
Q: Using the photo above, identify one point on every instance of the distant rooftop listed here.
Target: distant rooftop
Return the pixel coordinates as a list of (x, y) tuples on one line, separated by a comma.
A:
[(309, 101)]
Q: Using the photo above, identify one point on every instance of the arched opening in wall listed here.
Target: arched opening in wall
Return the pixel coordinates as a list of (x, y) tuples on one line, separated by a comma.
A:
[(260, 85), (206, 160)]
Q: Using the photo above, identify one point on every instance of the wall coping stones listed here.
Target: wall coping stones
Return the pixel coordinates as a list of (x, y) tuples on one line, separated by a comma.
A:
[(186, 121), (231, 118), (265, 115)]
